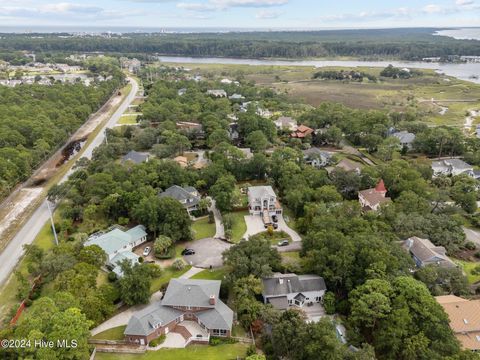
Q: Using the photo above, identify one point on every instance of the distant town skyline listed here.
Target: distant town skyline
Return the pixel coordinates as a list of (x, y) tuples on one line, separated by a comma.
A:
[(271, 14)]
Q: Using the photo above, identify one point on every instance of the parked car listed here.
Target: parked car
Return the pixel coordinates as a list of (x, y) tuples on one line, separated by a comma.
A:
[(275, 226), (283, 243), (188, 252), (275, 218), (146, 251)]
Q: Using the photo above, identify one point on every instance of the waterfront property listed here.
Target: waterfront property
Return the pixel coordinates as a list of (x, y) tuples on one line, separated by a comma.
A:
[(191, 308)]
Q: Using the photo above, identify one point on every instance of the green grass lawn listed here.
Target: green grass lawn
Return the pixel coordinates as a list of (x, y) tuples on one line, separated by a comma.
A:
[(167, 274), (102, 278), (239, 226), (217, 274), (192, 352), (202, 229), (467, 267), (115, 333), (239, 331), (128, 120)]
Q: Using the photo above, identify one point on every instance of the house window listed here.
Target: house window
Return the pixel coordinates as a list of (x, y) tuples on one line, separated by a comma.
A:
[(219, 332)]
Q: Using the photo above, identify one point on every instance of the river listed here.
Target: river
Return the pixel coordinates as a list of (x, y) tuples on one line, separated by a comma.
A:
[(464, 71)]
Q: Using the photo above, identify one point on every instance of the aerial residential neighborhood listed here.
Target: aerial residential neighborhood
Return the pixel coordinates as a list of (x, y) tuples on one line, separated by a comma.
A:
[(239, 180)]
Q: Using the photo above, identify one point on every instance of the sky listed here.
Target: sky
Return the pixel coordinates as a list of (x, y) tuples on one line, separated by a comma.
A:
[(270, 14)]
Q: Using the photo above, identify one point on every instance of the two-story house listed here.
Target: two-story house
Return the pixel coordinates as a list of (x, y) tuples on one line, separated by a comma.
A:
[(191, 309), (263, 199), (286, 290), (188, 196), (372, 199)]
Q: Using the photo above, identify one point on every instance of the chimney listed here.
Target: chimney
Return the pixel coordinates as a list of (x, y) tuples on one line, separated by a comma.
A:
[(289, 286), (212, 299), (280, 281)]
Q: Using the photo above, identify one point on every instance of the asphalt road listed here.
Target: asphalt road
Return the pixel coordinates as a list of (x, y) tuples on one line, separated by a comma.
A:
[(14, 250)]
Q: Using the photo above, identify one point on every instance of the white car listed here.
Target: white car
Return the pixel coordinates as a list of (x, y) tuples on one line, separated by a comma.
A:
[(146, 251)]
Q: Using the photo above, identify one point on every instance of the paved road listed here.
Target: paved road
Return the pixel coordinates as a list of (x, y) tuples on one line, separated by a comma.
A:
[(472, 235), (208, 252), (14, 250)]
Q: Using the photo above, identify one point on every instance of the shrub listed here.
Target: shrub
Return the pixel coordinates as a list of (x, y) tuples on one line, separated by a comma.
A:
[(112, 276), (141, 259), (221, 340), (123, 220), (211, 217), (157, 341), (477, 255), (329, 303), (470, 245), (178, 264)]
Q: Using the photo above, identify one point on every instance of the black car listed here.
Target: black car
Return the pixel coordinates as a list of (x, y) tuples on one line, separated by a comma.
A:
[(275, 218), (188, 252), (275, 226)]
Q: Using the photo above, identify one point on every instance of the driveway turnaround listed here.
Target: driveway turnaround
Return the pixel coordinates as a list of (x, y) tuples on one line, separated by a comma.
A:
[(255, 226), (208, 252)]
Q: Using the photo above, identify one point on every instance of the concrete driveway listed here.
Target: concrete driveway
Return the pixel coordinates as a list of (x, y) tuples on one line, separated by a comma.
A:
[(472, 235), (255, 226), (208, 252), (294, 246)]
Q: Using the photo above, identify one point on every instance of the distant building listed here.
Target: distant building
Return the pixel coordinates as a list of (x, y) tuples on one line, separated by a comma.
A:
[(237, 97), (464, 316), (182, 161), (226, 81), (188, 196), (316, 157), (349, 165), (286, 123), (191, 309), (190, 126), (247, 152), (182, 92), (425, 253), (135, 157), (372, 199), (118, 245), (263, 199), (217, 93), (287, 290), (302, 132), (406, 138), (452, 167)]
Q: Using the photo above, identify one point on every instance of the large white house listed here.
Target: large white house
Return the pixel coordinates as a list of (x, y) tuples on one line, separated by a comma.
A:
[(452, 167), (263, 198), (286, 290)]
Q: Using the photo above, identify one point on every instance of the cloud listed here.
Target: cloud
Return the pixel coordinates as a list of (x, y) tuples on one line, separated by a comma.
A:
[(464, 2), (66, 7), (216, 5), (433, 9), (268, 14)]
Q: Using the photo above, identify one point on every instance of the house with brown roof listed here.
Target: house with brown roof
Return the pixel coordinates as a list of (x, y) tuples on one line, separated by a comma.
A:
[(302, 132), (464, 318), (182, 161), (372, 199), (424, 253), (349, 165)]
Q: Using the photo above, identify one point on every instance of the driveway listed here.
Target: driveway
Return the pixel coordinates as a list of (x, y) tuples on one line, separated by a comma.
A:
[(255, 226), (219, 229), (124, 317), (208, 252), (472, 235), (295, 246)]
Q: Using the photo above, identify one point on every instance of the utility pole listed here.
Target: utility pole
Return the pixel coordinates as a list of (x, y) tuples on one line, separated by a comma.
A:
[(51, 220)]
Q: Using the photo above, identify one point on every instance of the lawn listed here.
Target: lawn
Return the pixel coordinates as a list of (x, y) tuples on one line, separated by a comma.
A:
[(192, 352), (238, 331), (115, 333), (128, 120), (467, 267), (239, 226), (203, 229), (217, 274), (167, 274)]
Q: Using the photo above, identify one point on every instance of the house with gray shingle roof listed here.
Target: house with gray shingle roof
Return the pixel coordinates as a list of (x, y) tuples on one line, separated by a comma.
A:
[(191, 308), (406, 138), (135, 157), (424, 253), (317, 157), (452, 167), (118, 245), (286, 290), (188, 196)]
